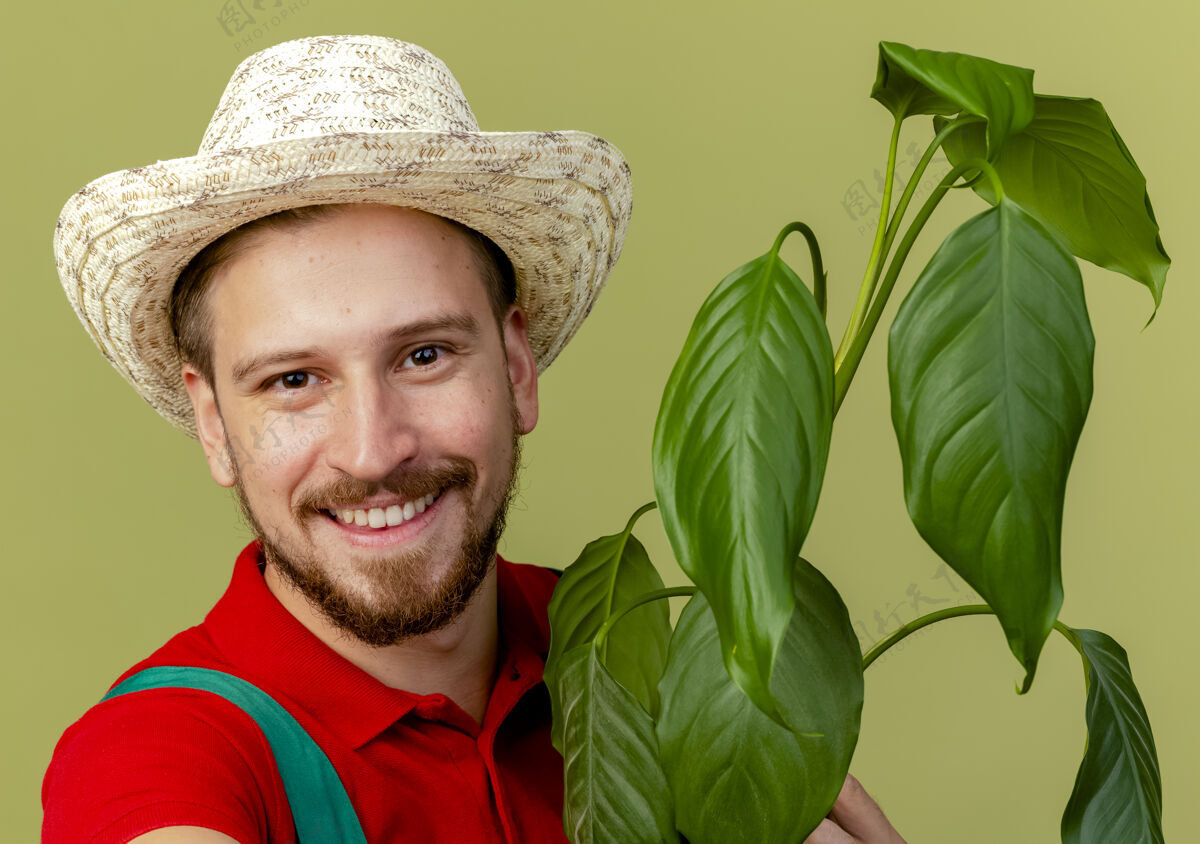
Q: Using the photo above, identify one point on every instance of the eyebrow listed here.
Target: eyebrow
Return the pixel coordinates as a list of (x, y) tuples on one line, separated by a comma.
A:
[(464, 324)]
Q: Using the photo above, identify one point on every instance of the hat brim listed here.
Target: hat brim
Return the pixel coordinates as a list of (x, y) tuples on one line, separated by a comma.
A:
[(557, 203)]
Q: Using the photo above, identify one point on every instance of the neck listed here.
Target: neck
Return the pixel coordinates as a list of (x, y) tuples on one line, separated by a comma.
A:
[(458, 661)]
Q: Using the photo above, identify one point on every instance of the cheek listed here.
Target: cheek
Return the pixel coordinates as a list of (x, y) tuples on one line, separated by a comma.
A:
[(274, 449), (456, 424), (473, 423)]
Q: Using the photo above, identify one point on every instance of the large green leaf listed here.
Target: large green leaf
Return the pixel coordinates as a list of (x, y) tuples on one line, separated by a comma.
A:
[(990, 358), (913, 81), (615, 788), (736, 774), (1118, 790), (739, 455), (609, 573), (1071, 170)]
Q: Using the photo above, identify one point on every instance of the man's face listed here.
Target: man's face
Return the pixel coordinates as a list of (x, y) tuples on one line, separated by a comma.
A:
[(369, 416)]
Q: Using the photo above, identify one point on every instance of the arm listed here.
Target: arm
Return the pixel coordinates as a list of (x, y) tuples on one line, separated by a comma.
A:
[(183, 835), (164, 759)]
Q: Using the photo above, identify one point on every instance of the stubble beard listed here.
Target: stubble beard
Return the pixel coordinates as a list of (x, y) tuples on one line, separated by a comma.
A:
[(399, 602)]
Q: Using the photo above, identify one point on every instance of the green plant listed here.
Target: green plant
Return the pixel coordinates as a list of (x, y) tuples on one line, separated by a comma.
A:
[(739, 724)]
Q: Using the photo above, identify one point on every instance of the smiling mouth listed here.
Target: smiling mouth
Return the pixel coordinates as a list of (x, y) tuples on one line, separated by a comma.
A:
[(380, 518)]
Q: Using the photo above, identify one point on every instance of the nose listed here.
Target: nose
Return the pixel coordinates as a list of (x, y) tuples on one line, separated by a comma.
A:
[(372, 432)]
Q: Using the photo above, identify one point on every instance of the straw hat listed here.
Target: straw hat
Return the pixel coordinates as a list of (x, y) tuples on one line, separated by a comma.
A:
[(340, 119)]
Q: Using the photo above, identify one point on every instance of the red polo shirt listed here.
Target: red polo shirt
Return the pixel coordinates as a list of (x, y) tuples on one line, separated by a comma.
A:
[(416, 767)]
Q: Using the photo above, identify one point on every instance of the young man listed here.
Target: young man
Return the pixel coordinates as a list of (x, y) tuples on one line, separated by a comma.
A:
[(347, 297)]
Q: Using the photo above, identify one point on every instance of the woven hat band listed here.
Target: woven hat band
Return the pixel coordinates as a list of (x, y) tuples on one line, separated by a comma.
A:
[(323, 86)]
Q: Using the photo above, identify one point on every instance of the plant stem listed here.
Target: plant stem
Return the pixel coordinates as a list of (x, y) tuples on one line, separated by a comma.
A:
[(845, 373), (917, 623), (639, 512), (814, 251), (668, 592), (969, 609), (881, 251), (911, 188), (868, 283)]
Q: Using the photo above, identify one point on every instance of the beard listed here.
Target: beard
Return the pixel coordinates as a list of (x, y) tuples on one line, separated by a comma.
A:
[(400, 601)]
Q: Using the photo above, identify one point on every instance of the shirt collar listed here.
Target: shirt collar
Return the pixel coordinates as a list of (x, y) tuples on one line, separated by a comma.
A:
[(271, 648)]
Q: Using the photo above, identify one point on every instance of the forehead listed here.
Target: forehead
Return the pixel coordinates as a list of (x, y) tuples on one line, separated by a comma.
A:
[(359, 269)]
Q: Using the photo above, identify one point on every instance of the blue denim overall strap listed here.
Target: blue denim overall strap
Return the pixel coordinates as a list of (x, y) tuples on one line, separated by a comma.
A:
[(321, 809)]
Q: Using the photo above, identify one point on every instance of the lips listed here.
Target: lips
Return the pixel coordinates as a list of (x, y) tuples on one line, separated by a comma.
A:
[(381, 517), (388, 536)]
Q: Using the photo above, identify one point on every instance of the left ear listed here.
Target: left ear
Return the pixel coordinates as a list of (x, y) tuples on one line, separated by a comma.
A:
[(522, 368)]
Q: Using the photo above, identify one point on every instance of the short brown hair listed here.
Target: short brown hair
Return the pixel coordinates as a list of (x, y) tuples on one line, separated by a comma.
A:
[(191, 321)]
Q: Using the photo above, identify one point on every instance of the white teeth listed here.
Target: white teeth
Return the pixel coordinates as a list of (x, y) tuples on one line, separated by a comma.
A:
[(379, 517)]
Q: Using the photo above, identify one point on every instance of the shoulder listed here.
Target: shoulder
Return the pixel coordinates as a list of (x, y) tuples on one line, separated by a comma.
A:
[(525, 591), (534, 583), (162, 757)]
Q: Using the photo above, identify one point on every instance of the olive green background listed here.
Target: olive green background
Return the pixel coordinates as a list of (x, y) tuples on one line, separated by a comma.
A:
[(736, 118)]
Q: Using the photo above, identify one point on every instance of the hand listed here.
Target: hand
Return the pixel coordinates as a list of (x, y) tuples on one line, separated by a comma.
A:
[(854, 819)]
